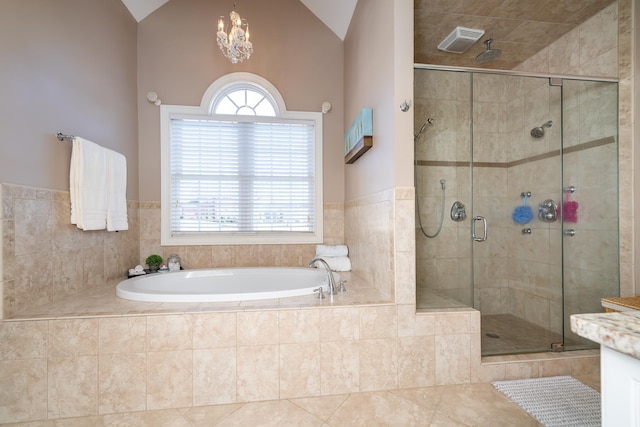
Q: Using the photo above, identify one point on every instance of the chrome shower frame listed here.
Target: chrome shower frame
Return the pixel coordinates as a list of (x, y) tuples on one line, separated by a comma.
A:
[(525, 131)]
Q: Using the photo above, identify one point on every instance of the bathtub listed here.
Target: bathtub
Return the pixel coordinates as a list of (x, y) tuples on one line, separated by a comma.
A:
[(224, 284)]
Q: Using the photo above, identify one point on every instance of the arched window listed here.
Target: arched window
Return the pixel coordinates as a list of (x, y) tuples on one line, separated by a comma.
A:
[(246, 172), (244, 99)]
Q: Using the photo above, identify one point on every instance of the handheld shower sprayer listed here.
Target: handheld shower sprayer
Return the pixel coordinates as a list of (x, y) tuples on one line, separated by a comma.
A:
[(422, 129), (443, 182)]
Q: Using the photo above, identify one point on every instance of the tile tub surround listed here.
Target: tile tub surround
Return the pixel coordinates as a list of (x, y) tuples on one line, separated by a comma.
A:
[(149, 360), (213, 256), (35, 226), (45, 258)]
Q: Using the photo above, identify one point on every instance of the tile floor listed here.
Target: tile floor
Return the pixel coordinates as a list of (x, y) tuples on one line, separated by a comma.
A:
[(453, 405)]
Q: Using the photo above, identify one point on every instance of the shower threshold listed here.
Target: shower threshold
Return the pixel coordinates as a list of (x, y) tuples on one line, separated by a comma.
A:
[(507, 334)]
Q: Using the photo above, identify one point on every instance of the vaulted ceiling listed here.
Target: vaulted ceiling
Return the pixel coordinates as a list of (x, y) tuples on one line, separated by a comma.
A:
[(336, 14), (519, 28)]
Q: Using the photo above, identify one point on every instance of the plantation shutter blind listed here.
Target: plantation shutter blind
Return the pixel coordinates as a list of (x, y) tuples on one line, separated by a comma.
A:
[(236, 176)]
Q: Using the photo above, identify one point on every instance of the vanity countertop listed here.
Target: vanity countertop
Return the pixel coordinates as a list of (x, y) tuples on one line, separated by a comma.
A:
[(619, 331)]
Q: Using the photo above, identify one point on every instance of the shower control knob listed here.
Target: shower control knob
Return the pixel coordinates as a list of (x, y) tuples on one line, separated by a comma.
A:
[(458, 212), (570, 232)]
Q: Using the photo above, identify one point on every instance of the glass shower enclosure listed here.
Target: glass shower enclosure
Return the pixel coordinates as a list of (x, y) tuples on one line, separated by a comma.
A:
[(516, 202)]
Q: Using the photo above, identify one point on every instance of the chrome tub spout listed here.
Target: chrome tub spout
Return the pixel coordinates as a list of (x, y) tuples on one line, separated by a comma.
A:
[(332, 280)]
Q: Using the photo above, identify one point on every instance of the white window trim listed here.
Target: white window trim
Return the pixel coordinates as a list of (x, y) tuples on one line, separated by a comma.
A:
[(205, 108)]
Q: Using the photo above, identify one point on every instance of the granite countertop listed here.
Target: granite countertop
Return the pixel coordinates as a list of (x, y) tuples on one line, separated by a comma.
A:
[(619, 331)]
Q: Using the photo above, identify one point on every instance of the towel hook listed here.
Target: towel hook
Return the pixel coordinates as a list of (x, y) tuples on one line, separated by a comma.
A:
[(404, 107)]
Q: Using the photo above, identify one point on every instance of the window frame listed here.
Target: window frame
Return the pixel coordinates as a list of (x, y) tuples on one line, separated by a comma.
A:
[(218, 90)]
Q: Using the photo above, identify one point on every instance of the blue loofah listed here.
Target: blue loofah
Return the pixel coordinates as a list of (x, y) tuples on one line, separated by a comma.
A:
[(522, 214)]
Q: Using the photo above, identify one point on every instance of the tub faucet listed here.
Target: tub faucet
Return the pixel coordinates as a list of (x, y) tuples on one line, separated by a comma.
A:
[(332, 280)]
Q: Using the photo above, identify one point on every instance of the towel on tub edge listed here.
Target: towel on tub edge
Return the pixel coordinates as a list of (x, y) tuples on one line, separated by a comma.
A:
[(332, 250), (338, 263)]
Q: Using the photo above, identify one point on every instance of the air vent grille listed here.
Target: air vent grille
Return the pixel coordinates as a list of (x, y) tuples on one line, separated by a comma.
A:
[(460, 40)]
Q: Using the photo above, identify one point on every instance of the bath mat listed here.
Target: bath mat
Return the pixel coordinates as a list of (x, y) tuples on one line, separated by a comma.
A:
[(555, 401)]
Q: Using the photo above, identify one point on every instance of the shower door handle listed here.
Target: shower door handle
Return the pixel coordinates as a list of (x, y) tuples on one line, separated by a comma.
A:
[(473, 228)]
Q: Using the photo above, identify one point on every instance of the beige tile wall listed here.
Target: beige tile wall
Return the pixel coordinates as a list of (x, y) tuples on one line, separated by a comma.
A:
[(45, 258), (369, 227), (602, 47), (514, 272), (236, 255), (589, 50), (443, 263), (80, 367)]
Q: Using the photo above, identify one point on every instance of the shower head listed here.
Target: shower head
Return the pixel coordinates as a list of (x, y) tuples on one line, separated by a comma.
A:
[(538, 132), (489, 54), (422, 129)]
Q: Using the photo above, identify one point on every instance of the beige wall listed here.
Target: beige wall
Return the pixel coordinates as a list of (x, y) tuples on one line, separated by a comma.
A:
[(369, 83), (69, 66), (178, 58), (373, 80), (378, 74), (403, 92)]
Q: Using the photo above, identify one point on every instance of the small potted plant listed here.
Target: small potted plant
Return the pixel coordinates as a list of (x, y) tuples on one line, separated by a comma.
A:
[(154, 262)]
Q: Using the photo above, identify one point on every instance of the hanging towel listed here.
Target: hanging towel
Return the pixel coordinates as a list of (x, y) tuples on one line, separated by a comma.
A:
[(116, 191), (340, 263), (332, 250), (88, 185)]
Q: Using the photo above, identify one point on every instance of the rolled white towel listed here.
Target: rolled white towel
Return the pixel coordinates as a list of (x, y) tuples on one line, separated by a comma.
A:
[(332, 250), (340, 263), (134, 272)]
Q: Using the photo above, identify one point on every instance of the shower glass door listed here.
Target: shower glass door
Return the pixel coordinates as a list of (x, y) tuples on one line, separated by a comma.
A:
[(517, 165), (533, 161)]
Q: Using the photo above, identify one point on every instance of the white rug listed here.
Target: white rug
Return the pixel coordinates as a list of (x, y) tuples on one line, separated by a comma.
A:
[(555, 401)]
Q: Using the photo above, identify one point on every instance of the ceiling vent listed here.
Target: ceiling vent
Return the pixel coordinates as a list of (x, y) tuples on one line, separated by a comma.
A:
[(460, 40)]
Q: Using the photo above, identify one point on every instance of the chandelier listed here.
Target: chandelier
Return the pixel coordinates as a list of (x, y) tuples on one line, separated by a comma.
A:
[(236, 45)]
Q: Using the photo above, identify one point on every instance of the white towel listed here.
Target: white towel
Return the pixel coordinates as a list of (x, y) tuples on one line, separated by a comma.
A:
[(88, 185), (116, 191), (333, 251), (340, 263)]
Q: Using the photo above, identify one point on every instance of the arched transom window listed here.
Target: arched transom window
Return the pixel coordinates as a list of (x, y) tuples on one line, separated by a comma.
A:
[(242, 99)]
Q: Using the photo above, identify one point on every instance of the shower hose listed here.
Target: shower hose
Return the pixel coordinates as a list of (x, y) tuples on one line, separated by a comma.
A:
[(415, 184)]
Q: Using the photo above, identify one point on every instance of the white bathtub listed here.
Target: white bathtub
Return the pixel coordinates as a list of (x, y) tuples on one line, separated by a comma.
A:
[(224, 284)]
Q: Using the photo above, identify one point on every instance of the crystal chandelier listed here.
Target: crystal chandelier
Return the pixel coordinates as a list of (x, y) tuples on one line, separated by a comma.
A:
[(235, 46)]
